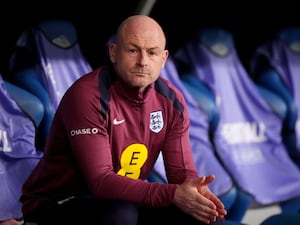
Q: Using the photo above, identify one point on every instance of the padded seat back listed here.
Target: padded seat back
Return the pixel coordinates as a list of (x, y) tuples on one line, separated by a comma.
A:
[(276, 65), (203, 151), (47, 61), (18, 153)]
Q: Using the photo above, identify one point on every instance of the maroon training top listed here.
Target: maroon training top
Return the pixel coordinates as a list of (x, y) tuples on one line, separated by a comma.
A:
[(105, 139)]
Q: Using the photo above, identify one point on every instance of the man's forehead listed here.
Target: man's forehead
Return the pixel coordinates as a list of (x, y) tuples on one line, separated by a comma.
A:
[(148, 39)]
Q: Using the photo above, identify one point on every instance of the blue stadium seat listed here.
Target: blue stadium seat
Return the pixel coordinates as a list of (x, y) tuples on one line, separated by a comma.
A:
[(20, 114), (27, 102), (248, 136), (275, 65), (204, 98), (47, 60), (201, 118)]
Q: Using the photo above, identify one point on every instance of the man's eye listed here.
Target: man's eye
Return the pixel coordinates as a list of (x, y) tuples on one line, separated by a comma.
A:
[(152, 53), (132, 50)]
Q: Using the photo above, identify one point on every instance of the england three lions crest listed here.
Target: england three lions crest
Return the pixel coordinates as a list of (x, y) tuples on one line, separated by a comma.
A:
[(156, 121)]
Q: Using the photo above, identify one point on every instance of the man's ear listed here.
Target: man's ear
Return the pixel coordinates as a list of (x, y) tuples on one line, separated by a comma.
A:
[(112, 52), (165, 58)]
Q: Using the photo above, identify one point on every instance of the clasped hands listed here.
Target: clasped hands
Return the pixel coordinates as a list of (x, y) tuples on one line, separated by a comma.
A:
[(194, 198)]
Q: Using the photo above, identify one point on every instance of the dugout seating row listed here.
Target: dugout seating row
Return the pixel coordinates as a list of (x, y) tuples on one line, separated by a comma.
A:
[(209, 61)]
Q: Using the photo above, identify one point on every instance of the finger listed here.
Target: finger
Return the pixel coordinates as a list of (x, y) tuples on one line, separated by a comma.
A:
[(219, 204), (204, 180), (206, 214), (221, 213)]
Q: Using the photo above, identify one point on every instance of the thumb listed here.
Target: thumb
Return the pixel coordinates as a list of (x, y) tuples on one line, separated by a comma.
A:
[(204, 180)]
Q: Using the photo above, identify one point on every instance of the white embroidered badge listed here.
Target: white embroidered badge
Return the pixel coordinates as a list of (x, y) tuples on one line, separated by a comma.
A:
[(156, 121)]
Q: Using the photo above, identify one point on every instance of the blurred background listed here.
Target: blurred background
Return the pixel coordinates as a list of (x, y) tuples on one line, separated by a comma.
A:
[(250, 21)]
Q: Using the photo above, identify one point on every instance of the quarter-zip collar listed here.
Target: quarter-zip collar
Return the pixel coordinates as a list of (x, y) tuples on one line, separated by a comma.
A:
[(131, 94)]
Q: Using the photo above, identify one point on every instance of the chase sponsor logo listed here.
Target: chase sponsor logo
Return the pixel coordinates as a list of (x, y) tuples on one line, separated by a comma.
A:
[(84, 131)]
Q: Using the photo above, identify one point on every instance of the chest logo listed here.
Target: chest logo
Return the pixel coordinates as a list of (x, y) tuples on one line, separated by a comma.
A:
[(156, 121), (132, 160), (117, 122)]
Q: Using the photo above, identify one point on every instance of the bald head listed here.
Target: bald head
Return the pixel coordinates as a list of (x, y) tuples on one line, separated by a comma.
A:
[(138, 53), (141, 26)]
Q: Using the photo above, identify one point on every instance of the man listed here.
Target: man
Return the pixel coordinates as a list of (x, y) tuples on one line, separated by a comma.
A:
[(106, 135)]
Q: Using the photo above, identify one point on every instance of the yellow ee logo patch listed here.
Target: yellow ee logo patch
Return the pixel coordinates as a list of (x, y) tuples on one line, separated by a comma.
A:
[(132, 160)]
